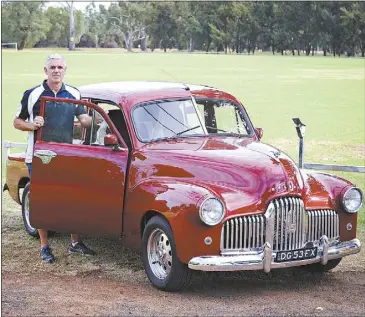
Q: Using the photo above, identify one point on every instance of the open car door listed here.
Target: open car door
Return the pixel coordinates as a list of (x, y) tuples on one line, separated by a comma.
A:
[(78, 179)]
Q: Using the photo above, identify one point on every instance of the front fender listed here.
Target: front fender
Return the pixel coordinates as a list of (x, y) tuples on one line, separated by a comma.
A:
[(324, 191), (179, 203)]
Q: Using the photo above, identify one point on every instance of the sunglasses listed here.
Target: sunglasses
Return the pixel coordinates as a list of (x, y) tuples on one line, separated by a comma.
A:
[(58, 67)]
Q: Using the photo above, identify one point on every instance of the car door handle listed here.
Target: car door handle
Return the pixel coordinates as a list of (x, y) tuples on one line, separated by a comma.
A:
[(45, 155)]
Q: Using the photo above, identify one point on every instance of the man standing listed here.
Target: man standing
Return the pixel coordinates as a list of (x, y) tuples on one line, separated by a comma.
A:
[(27, 119)]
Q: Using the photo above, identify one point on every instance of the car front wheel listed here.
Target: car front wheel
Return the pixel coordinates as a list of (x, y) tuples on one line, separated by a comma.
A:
[(163, 268)]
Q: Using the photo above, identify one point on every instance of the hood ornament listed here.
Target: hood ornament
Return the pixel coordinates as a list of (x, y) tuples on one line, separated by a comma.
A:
[(275, 155)]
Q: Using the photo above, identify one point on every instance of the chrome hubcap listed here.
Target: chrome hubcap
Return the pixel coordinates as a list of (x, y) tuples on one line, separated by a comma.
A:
[(26, 210), (159, 254)]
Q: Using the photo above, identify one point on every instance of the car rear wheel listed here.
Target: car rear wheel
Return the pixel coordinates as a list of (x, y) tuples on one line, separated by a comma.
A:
[(163, 268), (25, 212), (319, 268)]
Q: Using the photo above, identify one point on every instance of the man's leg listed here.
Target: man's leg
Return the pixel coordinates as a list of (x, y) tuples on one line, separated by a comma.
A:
[(29, 165), (75, 237), (43, 235), (46, 252), (78, 247)]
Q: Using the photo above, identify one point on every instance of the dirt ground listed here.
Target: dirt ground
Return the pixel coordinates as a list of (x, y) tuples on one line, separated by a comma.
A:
[(114, 284)]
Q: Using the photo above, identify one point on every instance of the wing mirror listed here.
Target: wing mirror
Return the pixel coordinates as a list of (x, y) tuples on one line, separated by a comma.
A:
[(110, 139), (259, 132)]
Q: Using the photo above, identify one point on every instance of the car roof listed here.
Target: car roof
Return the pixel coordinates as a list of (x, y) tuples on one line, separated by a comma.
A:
[(115, 91)]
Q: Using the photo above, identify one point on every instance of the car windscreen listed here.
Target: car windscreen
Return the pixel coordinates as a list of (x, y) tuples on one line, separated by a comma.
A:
[(165, 119)]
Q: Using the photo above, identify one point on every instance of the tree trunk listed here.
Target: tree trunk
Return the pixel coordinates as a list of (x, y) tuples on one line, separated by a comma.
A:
[(144, 44), (126, 41), (208, 45), (190, 44), (282, 52), (71, 45), (96, 41), (292, 51), (21, 44), (298, 51), (308, 51), (130, 45), (324, 52), (312, 51)]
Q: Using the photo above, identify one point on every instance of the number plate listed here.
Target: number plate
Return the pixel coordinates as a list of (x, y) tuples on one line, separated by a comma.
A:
[(295, 255)]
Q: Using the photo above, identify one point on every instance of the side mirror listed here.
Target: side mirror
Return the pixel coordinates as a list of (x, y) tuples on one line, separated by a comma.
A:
[(110, 139), (259, 132)]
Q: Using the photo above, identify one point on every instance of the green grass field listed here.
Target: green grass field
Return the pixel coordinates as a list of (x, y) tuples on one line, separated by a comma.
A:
[(326, 93)]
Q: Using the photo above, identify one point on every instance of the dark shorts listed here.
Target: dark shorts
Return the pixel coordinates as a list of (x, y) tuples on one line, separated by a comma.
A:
[(29, 165)]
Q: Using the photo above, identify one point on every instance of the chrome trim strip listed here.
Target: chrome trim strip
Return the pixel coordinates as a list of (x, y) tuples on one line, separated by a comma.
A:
[(245, 233), (267, 258), (240, 220), (236, 230), (324, 242), (264, 259), (231, 224)]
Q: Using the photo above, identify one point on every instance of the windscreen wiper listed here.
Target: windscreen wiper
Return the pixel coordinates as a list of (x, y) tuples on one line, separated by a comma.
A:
[(207, 126), (187, 130), (238, 134)]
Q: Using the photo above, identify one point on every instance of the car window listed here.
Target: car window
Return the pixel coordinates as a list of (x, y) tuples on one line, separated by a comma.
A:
[(94, 135), (59, 122), (223, 116), (62, 126), (164, 119)]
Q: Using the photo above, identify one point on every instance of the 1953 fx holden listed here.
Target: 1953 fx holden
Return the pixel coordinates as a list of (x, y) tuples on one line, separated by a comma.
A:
[(179, 171)]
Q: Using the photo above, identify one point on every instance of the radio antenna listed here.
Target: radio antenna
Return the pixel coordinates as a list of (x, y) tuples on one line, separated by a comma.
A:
[(176, 80)]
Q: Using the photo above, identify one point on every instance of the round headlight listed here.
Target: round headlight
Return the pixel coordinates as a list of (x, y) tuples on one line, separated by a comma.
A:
[(352, 200), (212, 211)]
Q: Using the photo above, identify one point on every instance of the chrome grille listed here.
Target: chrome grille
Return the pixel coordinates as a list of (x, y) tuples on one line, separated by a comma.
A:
[(323, 222), (288, 226), (289, 216), (243, 232)]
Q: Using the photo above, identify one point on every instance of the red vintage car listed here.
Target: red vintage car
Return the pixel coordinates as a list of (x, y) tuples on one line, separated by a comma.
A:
[(179, 171)]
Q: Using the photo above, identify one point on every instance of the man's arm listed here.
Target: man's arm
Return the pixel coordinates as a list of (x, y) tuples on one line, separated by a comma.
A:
[(85, 120), (22, 115), (23, 125)]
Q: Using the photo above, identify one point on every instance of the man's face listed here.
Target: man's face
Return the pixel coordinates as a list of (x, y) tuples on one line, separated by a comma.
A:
[(55, 71)]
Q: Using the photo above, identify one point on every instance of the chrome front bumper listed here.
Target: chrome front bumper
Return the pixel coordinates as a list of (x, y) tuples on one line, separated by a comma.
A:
[(265, 260)]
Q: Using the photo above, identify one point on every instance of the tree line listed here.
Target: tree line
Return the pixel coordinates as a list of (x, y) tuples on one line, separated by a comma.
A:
[(242, 27)]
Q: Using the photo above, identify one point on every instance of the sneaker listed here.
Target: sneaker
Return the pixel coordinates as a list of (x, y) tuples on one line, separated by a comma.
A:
[(80, 248), (46, 255)]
